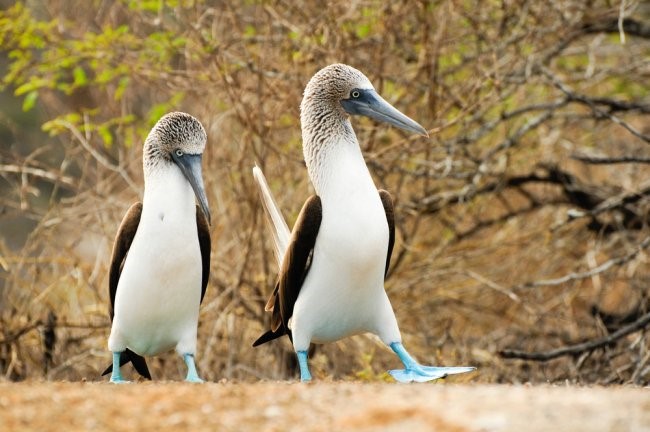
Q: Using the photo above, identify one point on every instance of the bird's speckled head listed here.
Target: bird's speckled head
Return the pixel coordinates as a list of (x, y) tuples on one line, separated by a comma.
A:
[(334, 83), (332, 95), (177, 139), (173, 132)]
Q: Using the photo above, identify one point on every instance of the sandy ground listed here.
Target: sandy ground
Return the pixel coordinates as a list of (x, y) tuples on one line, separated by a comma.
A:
[(281, 406)]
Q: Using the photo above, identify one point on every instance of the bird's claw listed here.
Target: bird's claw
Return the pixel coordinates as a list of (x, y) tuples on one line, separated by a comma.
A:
[(194, 379), (119, 380)]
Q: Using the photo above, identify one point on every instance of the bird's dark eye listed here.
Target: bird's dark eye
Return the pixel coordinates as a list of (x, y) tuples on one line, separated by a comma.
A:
[(355, 94), (179, 152)]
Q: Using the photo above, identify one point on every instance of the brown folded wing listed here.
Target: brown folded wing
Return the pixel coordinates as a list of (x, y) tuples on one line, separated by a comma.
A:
[(294, 269), (203, 228), (387, 201), (121, 246)]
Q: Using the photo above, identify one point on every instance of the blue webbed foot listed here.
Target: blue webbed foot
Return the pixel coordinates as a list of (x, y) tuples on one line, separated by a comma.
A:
[(415, 372), (426, 373), (192, 375), (116, 375), (305, 376)]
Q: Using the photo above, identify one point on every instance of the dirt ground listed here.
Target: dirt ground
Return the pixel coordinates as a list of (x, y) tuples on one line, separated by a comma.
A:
[(325, 406)]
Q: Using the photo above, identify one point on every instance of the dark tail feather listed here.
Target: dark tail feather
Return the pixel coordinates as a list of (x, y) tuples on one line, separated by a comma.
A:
[(271, 335), (139, 364)]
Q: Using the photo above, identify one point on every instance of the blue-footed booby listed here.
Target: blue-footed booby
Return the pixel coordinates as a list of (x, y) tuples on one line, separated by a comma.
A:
[(333, 263), (161, 255)]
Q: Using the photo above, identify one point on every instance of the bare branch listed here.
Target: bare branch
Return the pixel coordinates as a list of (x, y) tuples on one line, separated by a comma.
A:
[(41, 173), (573, 96), (620, 203), (576, 349), (575, 192), (629, 26), (619, 105), (17, 335), (514, 138), (594, 160)]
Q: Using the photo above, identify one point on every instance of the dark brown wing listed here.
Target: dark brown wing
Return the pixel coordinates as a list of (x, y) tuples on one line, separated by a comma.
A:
[(387, 201), (297, 259), (203, 228), (294, 269), (121, 247)]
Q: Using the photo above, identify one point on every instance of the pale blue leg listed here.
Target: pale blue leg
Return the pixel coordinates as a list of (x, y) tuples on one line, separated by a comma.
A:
[(305, 376), (413, 371), (192, 376), (116, 375)]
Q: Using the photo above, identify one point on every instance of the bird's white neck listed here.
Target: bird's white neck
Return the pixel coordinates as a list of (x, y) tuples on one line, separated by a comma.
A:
[(338, 171), (168, 193)]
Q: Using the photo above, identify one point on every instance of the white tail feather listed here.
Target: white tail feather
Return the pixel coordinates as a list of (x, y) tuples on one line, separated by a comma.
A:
[(278, 225)]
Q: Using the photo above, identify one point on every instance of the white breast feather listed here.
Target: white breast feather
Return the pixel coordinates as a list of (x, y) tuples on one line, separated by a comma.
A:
[(158, 295), (343, 293)]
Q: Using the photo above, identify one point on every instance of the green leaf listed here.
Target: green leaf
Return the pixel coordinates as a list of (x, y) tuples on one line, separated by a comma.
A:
[(53, 127), (250, 31), (32, 85), (145, 5), (79, 75), (106, 135), (363, 31), (30, 100), (58, 125), (105, 76), (121, 88)]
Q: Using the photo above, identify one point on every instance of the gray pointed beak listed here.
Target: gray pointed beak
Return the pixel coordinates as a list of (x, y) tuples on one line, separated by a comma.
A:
[(190, 165), (370, 104)]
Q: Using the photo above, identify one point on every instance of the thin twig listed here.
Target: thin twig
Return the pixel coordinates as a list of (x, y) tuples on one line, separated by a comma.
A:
[(36, 324), (621, 17), (14, 337), (618, 261), (495, 286), (98, 156)]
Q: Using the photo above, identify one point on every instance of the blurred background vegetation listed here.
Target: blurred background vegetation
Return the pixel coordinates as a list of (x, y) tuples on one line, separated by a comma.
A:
[(522, 222)]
